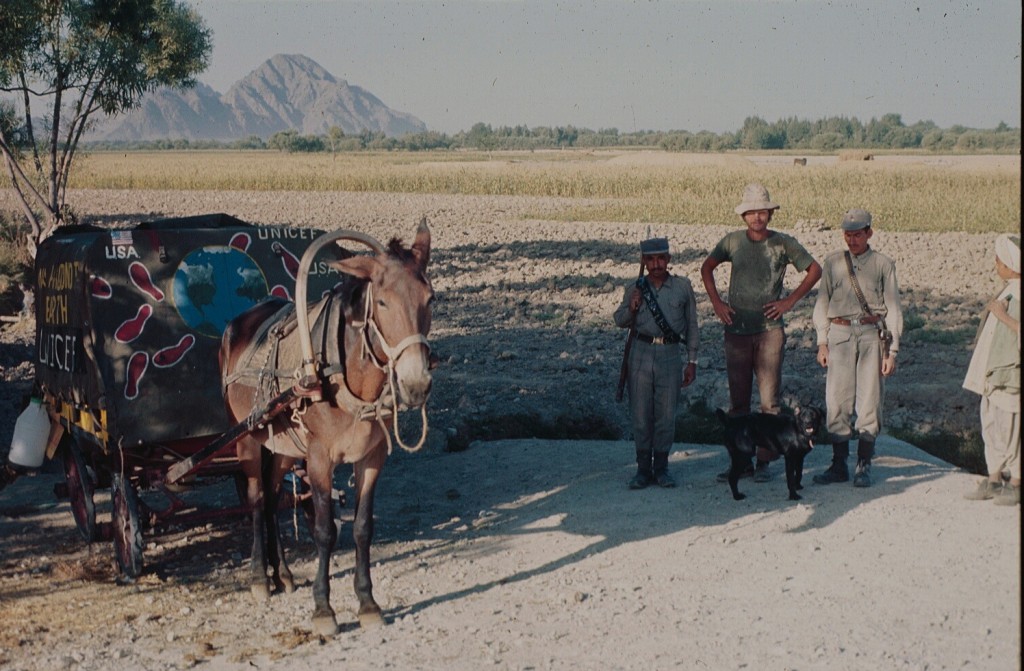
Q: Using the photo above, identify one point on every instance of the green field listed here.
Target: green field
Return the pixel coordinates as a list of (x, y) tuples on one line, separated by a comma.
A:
[(905, 193)]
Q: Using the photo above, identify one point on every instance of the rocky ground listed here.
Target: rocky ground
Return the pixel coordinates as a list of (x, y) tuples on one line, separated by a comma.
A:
[(523, 312), (531, 554)]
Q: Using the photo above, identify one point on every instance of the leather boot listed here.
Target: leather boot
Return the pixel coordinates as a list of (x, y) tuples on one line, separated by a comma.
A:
[(643, 475), (661, 475), (865, 450), (837, 472)]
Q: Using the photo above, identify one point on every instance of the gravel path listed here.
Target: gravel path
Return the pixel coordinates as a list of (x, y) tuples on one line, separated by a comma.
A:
[(532, 554)]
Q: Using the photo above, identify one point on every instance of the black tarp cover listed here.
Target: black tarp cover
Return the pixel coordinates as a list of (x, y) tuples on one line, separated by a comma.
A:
[(129, 320)]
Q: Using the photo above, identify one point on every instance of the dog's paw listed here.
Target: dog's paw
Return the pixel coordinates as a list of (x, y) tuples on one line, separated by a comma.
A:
[(793, 496), (739, 497)]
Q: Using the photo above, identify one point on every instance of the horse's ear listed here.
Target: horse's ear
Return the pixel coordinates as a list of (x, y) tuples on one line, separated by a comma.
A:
[(421, 246), (356, 266)]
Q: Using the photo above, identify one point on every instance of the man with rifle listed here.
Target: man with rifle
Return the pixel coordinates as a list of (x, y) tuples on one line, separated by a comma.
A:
[(661, 312)]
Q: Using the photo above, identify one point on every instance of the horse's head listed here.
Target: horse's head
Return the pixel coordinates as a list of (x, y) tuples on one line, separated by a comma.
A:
[(398, 297)]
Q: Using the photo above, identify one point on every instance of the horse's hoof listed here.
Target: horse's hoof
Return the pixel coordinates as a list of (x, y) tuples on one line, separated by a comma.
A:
[(325, 625), (371, 619), (286, 585), (260, 592)]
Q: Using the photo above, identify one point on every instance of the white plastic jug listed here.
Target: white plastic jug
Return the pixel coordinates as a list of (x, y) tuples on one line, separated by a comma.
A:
[(30, 433)]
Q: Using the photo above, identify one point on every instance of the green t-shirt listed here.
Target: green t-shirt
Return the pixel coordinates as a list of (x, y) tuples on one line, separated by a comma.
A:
[(756, 277)]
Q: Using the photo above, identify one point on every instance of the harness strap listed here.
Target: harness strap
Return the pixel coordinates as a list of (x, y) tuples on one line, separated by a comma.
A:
[(325, 333)]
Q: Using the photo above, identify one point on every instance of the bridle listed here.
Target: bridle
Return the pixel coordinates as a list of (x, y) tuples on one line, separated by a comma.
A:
[(368, 327), (309, 377), (368, 331)]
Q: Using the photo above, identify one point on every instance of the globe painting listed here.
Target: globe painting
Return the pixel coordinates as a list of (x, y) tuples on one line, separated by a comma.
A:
[(213, 285)]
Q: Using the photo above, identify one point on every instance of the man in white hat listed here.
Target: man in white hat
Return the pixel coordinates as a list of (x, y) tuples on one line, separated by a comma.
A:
[(994, 373), (849, 317), (663, 310), (752, 317)]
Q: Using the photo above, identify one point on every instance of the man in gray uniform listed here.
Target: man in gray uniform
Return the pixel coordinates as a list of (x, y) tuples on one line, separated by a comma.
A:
[(663, 310), (850, 348)]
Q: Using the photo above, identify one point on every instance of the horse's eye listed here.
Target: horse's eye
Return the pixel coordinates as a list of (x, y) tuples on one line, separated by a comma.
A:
[(381, 303)]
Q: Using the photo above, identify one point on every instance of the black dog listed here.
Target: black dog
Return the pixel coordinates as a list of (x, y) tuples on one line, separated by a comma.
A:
[(770, 436)]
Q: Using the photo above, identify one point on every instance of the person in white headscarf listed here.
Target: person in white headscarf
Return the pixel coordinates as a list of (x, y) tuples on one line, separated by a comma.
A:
[(994, 373)]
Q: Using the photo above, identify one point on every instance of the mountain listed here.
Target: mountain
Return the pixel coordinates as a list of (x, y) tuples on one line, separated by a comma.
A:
[(287, 92)]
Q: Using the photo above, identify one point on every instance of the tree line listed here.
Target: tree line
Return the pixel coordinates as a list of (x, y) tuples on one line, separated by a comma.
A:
[(64, 64), (825, 135)]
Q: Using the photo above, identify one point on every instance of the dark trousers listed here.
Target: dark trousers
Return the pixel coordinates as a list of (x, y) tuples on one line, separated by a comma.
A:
[(759, 354)]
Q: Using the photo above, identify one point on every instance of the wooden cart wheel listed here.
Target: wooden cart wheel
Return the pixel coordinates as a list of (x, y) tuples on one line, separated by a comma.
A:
[(127, 528), (80, 490)]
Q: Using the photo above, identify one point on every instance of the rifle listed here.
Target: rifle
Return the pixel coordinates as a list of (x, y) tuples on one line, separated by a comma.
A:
[(624, 368)]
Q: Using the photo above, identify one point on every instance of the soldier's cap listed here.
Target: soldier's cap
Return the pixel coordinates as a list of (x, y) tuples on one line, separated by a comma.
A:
[(654, 246), (856, 219)]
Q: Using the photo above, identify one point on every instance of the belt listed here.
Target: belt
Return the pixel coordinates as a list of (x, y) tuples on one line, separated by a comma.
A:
[(656, 340), (870, 319)]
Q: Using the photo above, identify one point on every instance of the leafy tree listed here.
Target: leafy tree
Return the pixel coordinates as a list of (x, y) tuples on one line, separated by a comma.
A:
[(972, 140), (76, 59), (251, 142), (827, 141), (481, 136), (308, 143), (938, 140), (566, 137), (757, 134), (335, 138), (283, 140)]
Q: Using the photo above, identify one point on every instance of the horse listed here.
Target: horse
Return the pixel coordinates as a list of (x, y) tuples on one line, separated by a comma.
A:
[(373, 359)]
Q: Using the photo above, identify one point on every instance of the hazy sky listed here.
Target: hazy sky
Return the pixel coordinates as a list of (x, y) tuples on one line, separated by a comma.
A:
[(643, 64)]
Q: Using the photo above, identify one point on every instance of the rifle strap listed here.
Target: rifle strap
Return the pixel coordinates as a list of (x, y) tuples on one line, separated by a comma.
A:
[(659, 317), (856, 285), (883, 332)]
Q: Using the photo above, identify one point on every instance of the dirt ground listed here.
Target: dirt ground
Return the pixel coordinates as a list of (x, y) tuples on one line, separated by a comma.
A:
[(532, 554)]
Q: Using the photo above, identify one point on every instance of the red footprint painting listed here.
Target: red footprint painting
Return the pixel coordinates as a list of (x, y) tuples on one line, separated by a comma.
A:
[(100, 288), (132, 329), (289, 260), (142, 280), (136, 369), (240, 241), (170, 356)]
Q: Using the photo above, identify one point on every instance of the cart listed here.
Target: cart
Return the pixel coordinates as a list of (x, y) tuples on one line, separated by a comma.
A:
[(128, 326)]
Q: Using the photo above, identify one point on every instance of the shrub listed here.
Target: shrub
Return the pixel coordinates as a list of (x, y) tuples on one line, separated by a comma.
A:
[(15, 264)]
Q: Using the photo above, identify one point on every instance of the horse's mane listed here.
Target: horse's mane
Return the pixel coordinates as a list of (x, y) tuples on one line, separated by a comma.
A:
[(399, 251)]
